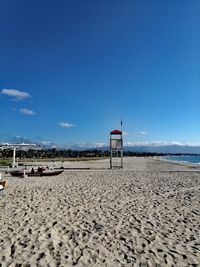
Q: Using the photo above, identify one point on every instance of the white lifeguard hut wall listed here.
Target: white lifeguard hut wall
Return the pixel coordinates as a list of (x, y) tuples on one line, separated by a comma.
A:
[(116, 149)]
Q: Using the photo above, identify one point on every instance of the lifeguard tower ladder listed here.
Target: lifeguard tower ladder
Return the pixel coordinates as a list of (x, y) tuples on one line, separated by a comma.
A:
[(116, 149)]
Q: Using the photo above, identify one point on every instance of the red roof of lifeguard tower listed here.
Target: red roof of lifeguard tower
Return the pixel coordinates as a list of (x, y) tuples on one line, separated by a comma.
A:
[(116, 132)]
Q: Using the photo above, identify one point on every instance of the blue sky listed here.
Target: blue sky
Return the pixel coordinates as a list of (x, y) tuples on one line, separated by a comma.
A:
[(72, 69)]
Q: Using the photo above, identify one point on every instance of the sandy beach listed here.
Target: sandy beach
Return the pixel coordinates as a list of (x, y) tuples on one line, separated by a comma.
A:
[(147, 214)]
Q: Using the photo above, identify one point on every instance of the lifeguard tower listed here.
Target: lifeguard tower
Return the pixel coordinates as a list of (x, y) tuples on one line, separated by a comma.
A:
[(116, 149)]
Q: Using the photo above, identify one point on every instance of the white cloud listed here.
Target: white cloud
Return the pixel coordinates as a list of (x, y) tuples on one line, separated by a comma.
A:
[(126, 134), (45, 142), (134, 133), (18, 95), (99, 144), (194, 144), (161, 143), (27, 111), (66, 125), (86, 145), (142, 133)]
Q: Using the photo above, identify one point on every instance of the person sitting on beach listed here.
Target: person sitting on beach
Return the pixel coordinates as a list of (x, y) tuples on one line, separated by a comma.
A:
[(40, 169)]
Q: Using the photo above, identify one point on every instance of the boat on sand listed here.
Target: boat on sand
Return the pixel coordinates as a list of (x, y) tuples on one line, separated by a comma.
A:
[(40, 171)]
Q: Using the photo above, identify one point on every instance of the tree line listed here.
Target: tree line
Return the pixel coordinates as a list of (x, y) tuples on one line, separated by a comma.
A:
[(69, 153)]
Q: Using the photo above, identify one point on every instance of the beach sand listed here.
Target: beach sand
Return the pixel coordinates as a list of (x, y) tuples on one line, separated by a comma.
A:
[(145, 215)]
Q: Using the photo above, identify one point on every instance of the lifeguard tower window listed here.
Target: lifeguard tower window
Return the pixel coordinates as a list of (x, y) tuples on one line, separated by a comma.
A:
[(116, 149), (116, 144)]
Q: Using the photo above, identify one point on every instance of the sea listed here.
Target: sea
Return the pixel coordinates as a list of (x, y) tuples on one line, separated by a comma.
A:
[(184, 158)]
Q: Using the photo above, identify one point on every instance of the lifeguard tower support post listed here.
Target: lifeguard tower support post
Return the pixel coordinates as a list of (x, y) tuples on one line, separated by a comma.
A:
[(116, 149)]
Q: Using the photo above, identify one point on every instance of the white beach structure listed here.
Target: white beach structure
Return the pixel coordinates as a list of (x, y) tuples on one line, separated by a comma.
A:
[(15, 147), (116, 149)]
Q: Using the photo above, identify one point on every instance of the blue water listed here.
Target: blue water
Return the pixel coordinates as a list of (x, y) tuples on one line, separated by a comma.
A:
[(184, 158)]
